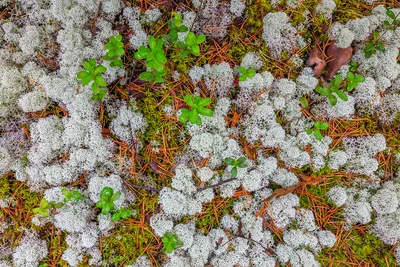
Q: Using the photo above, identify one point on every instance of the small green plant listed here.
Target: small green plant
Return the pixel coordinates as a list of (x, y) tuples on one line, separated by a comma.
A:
[(171, 242), (316, 130), (45, 206), (192, 44), (236, 163), (375, 45), (198, 106), (353, 66), (175, 26), (121, 214), (353, 80), (92, 73), (115, 51), (73, 194), (155, 59), (246, 73), (43, 265), (107, 198), (333, 88)]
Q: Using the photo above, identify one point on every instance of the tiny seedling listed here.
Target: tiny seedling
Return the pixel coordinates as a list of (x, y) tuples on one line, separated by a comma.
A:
[(171, 242), (73, 194), (353, 66), (353, 80), (45, 206), (198, 106), (121, 214), (107, 198), (175, 26), (155, 59), (92, 73), (115, 51), (236, 163), (192, 44), (333, 88), (318, 126), (245, 73), (375, 45)]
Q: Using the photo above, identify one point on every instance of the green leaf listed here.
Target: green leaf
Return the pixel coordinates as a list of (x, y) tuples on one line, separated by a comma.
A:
[(229, 161), (303, 102), (376, 36), (251, 73), (100, 69), (85, 77), (337, 80), (44, 204), (359, 78), (116, 217), (190, 39), (234, 172), (100, 204), (106, 209), (205, 102), (100, 81), (152, 42), (242, 70), (194, 116), (183, 28), (324, 126), (380, 47), (195, 49), (189, 100), (120, 51), (318, 134), (309, 131), (205, 111), (243, 77), (161, 57), (173, 34), (106, 193), (242, 162), (142, 52), (351, 86), (201, 38), (342, 95), (116, 196), (317, 125), (323, 90), (387, 23), (369, 47), (350, 76), (332, 100), (390, 14), (146, 76), (58, 205)]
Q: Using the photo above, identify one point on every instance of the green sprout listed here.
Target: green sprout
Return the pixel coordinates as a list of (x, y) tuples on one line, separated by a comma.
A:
[(115, 51), (353, 66), (171, 242), (318, 126), (175, 26), (107, 198), (192, 44), (73, 194), (198, 106), (333, 88), (45, 206), (155, 60), (236, 163), (92, 73), (375, 45), (121, 214), (245, 73), (353, 81)]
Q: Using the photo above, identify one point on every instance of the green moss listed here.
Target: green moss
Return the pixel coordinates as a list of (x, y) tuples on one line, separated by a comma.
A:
[(208, 221), (4, 187), (130, 241), (365, 249)]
